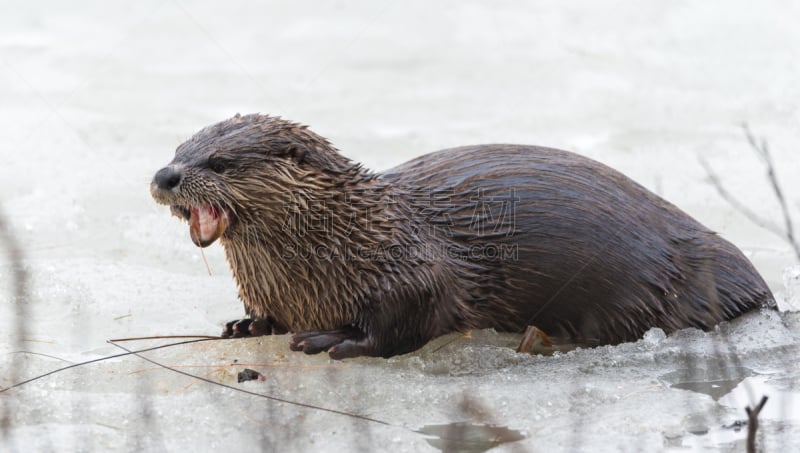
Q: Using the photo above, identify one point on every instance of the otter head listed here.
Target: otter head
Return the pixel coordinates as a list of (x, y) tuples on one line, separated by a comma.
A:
[(241, 171)]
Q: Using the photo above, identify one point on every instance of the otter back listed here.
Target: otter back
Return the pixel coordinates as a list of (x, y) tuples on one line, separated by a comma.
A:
[(595, 257)]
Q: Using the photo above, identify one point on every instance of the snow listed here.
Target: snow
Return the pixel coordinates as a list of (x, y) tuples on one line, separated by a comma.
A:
[(97, 95)]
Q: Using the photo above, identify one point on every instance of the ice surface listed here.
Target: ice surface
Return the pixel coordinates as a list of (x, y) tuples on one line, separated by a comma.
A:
[(97, 95), (790, 299), (613, 396)]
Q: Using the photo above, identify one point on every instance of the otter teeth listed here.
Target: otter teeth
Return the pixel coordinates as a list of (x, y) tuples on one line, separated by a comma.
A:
[(206, 224), (180, 212)]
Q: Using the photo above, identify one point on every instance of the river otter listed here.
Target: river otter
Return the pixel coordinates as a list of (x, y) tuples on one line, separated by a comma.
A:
[(490, 236)]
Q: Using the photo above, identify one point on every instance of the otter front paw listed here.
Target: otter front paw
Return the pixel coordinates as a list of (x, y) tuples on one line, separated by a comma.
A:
[(252, 327), (340, 344)]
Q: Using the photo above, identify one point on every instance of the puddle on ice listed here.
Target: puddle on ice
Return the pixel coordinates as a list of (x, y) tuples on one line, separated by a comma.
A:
[(714, 382), (468, 437), (733, 388)]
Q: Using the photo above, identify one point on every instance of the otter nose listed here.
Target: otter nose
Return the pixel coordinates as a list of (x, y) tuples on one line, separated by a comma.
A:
[(167, 178)]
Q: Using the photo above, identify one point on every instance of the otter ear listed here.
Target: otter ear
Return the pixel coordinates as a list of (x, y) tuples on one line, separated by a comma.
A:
[(291, 148), (299, 152)]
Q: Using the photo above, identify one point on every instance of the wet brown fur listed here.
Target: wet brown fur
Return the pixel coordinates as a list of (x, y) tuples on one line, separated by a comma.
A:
[(388, 261)]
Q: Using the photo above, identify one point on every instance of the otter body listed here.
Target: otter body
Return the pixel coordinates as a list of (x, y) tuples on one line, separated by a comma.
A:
[(500, 236)]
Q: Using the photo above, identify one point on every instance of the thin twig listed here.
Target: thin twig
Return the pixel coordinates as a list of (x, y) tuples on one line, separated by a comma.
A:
[(752, 424), (762, 150), (41, 354), (99, 359), (167, 337), (744, 210), (261, 395)]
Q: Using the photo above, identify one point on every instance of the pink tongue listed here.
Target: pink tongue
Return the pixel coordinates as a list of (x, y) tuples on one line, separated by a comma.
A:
[(206, 225)]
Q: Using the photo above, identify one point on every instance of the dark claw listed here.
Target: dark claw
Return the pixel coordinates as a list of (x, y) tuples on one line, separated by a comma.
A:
[(252, 327), (237, 329)]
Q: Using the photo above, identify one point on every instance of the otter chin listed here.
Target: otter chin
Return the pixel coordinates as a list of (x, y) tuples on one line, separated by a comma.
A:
[(356, 262)]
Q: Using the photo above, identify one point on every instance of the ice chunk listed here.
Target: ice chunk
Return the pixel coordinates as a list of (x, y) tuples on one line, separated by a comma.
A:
[(791, 293)]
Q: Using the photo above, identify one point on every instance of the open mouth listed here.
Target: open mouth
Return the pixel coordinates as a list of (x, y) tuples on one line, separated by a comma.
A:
[(206, 223)]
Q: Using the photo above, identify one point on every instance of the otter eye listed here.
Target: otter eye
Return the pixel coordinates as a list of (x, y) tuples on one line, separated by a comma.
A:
[(217, 165)]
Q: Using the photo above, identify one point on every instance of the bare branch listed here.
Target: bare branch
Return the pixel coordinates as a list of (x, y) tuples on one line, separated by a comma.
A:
[(20, 279), (744, 210), (752, 424), (762, 150)]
